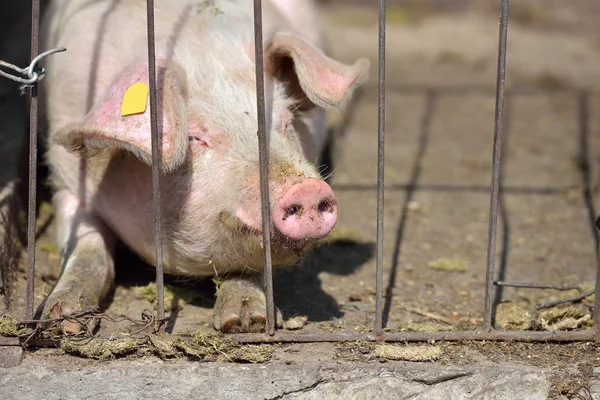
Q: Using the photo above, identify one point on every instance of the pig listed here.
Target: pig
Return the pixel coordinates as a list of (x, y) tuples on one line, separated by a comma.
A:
[(100, 160)]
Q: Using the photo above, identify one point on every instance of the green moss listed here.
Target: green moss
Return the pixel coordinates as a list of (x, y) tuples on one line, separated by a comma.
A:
[(9, 327), (450, 57), (344, 235), (49, 247), (447, 264), (175, 297)]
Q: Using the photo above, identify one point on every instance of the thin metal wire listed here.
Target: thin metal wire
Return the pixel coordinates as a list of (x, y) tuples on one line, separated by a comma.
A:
[(156, 156), (263, 153), (494, 197), (378, 329), (33, 125), (33, 76)]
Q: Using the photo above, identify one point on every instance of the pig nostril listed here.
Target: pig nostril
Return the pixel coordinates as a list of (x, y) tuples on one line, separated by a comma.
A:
[(292, 210), (326, 205)]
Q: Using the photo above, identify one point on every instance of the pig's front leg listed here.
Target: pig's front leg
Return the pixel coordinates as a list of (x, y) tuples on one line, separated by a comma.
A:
[(241, 306), (87, 249)]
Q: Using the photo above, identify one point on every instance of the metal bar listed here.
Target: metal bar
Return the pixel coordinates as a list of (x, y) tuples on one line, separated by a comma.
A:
[(404, 337), (494, 197), (527, 285), (156, 156), (526, 336), (597, 302), (33, 125), (516, 190), (471, 90), (263, 154), (584, 116), (380, 171)]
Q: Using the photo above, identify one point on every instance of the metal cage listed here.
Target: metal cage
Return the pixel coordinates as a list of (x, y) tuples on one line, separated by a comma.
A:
[(272, 335)]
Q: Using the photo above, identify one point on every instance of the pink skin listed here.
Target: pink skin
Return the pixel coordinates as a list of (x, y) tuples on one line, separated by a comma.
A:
[(306, 210)]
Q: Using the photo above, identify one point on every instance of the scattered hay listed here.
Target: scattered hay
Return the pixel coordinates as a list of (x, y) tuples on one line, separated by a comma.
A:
[(203, 346), (100, 349), (564, 318), (511, 317), (9, 327), (409, 352), (175, 297), (295, 322), (162, 347), (447, 264), (413, 327), (255, 354), (211, 347)]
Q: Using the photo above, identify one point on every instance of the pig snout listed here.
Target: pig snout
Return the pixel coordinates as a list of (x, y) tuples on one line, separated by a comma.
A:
[(307, 210)]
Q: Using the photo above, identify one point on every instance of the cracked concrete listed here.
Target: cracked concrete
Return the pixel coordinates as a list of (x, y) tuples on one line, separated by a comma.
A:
[(151, 378)]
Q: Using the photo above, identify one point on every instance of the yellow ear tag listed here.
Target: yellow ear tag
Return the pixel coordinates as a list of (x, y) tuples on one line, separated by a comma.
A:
[(134, 100)]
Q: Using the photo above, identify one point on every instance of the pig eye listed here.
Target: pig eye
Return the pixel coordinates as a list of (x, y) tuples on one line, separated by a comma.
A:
[(196, 140)]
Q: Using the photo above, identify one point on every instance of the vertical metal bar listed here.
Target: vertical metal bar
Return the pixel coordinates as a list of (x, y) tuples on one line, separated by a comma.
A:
[(584, 157), (155, 167), (263, 153), (597, 296), (33, 125), (378, 329), (491, 248)]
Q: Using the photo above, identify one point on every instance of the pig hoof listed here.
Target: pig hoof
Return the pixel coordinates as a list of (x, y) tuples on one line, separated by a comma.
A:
[(57, 308), (241, 308), (245, 319)]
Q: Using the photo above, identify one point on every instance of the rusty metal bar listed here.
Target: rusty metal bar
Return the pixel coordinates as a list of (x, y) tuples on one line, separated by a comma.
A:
[(495, 195), (471, 90), (288, 337), (526, 336), (33, 125), (380, 171), (515, 190), (263, 153), (156, 157), (584, 157), (527, 285), (596, 312)]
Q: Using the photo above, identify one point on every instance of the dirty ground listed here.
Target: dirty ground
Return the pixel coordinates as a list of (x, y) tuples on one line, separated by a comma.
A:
[(441, 66)]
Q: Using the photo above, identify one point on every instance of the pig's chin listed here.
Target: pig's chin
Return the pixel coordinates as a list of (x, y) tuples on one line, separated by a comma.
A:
[(279, 241)]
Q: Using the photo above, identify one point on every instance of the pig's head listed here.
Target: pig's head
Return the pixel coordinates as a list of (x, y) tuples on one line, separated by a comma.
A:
[(209, 147)]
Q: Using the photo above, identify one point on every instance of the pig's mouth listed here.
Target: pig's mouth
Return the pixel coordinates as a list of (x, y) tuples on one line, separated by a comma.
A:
[(282, 242)]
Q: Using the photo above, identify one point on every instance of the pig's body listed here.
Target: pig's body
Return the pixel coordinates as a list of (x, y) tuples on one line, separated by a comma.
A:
[(207, 113)]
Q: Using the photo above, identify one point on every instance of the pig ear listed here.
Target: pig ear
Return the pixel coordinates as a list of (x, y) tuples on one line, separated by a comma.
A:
[(310, 75), (105, 126)]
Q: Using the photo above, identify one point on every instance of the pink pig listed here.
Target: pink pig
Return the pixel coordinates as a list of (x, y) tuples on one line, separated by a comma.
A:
[(101, 161)]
